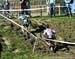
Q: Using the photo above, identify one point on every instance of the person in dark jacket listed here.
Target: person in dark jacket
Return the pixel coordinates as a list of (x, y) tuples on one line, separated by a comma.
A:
[(24, 6), (52, 7)]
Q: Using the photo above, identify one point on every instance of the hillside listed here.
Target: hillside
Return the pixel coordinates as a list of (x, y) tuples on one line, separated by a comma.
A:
[(17, 47)]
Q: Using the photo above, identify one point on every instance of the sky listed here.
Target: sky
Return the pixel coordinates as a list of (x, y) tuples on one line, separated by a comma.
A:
[(73, 7)]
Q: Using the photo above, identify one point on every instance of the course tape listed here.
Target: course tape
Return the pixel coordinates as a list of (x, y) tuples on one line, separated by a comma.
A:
[(61, 41), (32, 9)]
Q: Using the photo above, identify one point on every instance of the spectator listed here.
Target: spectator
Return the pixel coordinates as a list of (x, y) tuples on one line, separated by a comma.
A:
[(25, 5), (52, 7), (49, 34), (68, 7), (6, 7)]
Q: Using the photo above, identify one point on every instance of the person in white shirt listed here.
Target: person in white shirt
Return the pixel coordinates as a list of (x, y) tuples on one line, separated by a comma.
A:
[(49, 33)]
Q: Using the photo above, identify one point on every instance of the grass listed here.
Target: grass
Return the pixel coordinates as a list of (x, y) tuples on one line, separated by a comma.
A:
[(64, 26), (21, 49)]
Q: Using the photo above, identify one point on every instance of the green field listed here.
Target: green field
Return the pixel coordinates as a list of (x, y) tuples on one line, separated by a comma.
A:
[(17, 47)]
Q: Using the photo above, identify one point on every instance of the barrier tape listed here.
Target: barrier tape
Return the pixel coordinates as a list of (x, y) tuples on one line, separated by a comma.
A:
[(61, 41), (30, 9)]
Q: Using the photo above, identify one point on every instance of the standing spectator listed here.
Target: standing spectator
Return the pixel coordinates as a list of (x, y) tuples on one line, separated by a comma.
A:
[(68, 7), (52, 7), (25, 5), (6, 7)]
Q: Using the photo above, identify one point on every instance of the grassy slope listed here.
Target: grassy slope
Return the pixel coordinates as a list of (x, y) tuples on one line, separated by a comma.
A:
[(64, 26)]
